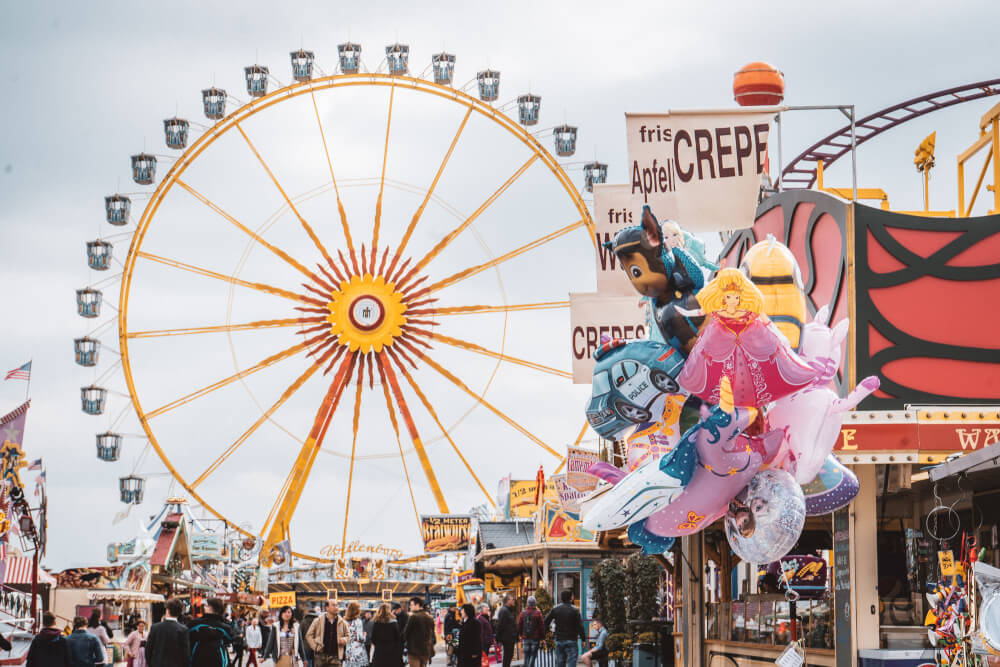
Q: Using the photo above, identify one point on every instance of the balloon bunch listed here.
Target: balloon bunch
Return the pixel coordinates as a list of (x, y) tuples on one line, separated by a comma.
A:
[(735, 356)]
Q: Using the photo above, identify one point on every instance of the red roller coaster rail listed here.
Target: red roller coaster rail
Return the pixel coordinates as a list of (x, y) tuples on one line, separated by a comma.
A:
[(800, 173)]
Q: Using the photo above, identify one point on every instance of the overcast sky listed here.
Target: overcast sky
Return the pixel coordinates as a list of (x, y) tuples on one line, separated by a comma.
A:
[(88, 84)]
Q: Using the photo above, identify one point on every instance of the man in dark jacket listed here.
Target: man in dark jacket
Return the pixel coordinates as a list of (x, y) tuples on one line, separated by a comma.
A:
[(507, 628), (48, 648), (84, 649), (167, 644), (569, 627), (210, 637), (419, 634)]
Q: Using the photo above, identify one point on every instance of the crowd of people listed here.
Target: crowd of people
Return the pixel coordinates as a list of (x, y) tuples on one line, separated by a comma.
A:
[(291, 639), (389, 636)]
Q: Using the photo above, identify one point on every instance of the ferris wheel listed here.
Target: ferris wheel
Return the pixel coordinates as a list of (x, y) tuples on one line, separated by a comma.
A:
[(347, 296)]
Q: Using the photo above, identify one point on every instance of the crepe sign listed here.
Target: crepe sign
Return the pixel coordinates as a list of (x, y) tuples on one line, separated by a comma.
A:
[(700, 168), (577, 462), (445, 533), (592, 316), (612, 212)]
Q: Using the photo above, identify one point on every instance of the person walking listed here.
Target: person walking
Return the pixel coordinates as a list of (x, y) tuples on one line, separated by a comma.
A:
[(327, 636), (167, 644), (419, 634), (239, 639), (283, 645), (569, 628), (366, 619), (451, 628), (97, 629), (507, 628), (355, 654), (599, 652), (84, 649), (135, 645), (253, 640), (48, 648), (532, 631), (386, 639), (470, 646), (485, 628), (304, 625), (210, 636)]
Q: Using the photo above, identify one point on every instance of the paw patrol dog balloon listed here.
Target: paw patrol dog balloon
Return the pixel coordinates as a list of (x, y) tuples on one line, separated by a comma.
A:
[(668, 276)]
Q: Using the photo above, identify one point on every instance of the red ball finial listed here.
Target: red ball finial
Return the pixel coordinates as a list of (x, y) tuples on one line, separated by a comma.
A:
[(758, 84)]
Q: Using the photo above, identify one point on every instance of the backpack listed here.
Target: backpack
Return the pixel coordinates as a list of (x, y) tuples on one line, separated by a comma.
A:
[(531, 625)]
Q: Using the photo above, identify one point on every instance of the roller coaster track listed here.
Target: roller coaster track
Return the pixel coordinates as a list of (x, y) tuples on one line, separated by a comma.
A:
[(800, 173)]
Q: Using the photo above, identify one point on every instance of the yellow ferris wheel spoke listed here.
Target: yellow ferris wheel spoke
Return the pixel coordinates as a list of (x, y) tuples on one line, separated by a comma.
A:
[(471, 271), (395, 427), (336, 190), (430, 191), (381, 185), (246, 230), (276, 523), (506, 308), (479, 349), (260, 287), (354, 442), (430, 410), (269, 361), (418, 444), (305, 225), (461, 385), (247, 326), (446, 241), (292, 388)]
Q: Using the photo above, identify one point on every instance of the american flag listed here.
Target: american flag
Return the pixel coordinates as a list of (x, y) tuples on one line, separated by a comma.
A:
[(35, 465), (20, 373)]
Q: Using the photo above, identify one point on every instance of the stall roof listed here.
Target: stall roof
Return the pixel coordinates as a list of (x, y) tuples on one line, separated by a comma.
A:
[(17, 570), (119, 595), (504, 534)]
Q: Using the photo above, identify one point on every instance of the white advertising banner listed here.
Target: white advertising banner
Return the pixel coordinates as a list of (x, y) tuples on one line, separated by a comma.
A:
[(612, 212), (592, 316), (701, 168)]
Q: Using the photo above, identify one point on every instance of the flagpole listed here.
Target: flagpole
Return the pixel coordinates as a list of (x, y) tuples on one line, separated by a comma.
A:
[(27, 387)]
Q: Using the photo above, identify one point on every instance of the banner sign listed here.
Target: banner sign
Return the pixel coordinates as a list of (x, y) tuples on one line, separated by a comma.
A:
[(562, 526), (569, 497), (522, 498), (445, 533), (592, 316), (577, 462), (612, 213), (282, 599), (207, 546), (700, 168), (503, 497), (804, 574)]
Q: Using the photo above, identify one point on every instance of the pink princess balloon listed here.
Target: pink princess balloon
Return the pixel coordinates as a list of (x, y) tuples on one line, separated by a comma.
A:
[(739, 342)]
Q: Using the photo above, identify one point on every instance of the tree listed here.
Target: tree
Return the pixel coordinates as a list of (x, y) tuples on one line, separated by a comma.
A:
[(608, 579), (642, 577)]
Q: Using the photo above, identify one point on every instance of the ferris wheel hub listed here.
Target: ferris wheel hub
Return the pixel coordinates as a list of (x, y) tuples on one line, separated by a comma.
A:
[(366, 313)]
